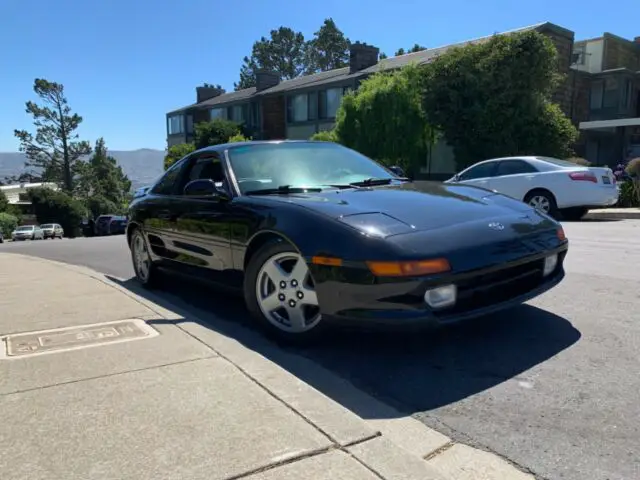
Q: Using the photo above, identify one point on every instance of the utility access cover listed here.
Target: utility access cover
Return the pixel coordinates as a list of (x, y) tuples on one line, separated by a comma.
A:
[(73, 338)]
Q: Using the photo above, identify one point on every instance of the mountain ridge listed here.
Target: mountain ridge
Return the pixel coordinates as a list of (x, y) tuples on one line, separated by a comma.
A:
[(143, 166)]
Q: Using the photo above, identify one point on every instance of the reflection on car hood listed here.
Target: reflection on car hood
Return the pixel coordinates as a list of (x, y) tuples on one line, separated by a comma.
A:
[(425, 206)]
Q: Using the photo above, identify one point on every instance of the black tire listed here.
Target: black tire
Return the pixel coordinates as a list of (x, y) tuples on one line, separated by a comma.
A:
[(265, 253), (574, 214), (153, 278), (545, 194)]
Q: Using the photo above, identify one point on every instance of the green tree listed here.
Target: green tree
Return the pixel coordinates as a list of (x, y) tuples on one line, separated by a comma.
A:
[(382, 56), (493, 99), (4, 202), (324, 136), (215, 132), (54, 147), (176, 152), (282, 52), (238, 138), (8, 223), (327, 50), (416, 48), (384, 119), (52, 206), (102, 177)]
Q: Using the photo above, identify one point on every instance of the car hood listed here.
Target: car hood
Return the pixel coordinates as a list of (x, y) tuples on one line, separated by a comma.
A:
[(421, 206)]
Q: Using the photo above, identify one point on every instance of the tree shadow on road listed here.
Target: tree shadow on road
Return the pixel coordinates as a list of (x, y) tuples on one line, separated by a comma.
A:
[(413, 372)]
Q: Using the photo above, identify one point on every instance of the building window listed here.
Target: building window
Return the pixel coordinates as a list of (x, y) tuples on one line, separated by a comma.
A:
[(596, 95), (330, 101), (298, 108), (218, 113), (611, 97), (175, 124), (189, 123), (238, 113)]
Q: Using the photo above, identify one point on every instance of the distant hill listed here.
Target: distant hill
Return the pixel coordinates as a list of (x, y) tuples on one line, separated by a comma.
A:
[(142, 166)]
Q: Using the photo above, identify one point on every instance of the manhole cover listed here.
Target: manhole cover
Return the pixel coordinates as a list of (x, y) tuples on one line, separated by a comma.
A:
[(72, 338)]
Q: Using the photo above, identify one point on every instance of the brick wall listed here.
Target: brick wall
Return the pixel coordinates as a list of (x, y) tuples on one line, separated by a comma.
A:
[(620, 53), (274, 118)]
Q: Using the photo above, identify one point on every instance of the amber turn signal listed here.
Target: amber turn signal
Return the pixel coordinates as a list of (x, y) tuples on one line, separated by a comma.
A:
[(409, 269), (561, 236), (328, 261)]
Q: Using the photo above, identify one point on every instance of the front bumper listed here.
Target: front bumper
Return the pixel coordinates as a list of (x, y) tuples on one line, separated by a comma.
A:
[(400, 303)]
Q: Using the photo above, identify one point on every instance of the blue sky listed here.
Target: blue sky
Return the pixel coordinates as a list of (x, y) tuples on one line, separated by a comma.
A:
[(125, 63)]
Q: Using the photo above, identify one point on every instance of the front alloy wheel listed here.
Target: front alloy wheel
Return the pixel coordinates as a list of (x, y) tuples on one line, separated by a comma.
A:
[(142, 264), (280, 292)]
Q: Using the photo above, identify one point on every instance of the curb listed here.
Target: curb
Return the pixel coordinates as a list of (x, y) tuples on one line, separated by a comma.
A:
[(391, 443), (614, 214)]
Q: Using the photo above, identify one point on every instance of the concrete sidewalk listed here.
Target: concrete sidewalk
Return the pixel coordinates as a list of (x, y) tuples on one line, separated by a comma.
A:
[(613, 214), (99, 383)]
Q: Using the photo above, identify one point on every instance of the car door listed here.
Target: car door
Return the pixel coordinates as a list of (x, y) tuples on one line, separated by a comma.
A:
[(201, 225), (514, 177), (157, 214), (478, 175)]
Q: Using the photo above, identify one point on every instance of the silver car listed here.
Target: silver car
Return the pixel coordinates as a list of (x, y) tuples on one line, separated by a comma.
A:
[(27, 232), (52, 230)]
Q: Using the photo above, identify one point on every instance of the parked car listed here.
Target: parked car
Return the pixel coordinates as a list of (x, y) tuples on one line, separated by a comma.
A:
[(27, 232), (102, 224), (52, 230), (312, 233), (141, 192), (117, 225), (545, 183)]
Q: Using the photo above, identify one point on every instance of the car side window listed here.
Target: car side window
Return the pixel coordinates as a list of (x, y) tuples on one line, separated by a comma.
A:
[(479, 171), (207, 167), (167, 184), (514, 167)]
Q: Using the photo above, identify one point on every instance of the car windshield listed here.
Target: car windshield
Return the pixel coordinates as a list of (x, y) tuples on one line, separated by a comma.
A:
[(558, 162), (304, 164), (24, 229), (47, 225)]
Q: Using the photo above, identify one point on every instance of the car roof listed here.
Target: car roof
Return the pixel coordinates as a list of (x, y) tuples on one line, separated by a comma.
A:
[(226, 146)]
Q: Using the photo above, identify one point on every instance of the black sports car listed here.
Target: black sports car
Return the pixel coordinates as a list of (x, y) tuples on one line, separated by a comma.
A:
[(313, 232)]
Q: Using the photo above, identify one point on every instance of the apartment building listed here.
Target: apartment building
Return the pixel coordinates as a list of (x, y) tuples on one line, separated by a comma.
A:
[(298, 108), (605, 81)]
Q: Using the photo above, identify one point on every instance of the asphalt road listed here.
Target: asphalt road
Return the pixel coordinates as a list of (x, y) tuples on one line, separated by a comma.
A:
[(553, 385)]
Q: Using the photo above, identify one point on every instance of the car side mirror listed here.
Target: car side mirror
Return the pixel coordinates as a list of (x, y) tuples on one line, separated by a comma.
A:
[(203, 188)]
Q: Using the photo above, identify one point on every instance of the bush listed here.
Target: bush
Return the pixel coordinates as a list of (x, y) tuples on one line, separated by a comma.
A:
[(8, 223), (627, 197), (633, 167), (176, 152), (4, 202), (579, 161), (52, 206), (324, 136), (215, 132), (238, 138)]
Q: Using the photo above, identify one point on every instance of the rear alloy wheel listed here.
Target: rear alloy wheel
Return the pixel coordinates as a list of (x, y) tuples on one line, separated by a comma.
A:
[(281, 294), (142, 264), (542, 201)]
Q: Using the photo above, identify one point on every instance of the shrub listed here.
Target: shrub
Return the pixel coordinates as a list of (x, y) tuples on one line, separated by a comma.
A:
[(4, 202), (238, 138), (176, 152), (8, 223), (633, 167), (627, 197), (215, 132), (324, 136), (579, 161), (52, 206)]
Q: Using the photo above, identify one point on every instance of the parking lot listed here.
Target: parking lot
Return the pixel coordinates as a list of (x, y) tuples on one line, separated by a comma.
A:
[(551, 385)]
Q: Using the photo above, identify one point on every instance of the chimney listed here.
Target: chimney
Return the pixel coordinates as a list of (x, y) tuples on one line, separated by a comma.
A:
[(266, 79), (206, 92), (362, 56)]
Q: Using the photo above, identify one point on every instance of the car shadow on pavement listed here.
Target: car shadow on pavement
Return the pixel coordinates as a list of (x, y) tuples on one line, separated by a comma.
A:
[(413, 372)]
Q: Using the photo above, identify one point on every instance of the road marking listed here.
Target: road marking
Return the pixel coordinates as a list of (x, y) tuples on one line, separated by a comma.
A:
[(28, 344)]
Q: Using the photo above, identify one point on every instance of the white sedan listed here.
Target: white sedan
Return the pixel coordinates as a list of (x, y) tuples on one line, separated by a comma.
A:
[(548, 184)]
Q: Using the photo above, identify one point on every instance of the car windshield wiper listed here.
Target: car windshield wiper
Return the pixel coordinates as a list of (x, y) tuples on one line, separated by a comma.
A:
[(369, 182), (283, 189)]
